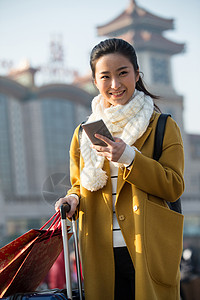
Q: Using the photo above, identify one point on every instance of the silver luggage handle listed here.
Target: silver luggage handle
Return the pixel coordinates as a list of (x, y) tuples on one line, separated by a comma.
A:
[(65, 208)]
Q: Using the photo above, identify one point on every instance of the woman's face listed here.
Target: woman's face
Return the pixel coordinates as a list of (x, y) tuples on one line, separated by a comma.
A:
[(115, 78)]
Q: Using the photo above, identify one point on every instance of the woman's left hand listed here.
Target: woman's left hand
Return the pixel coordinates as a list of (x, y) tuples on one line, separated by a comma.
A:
[(113, 150)]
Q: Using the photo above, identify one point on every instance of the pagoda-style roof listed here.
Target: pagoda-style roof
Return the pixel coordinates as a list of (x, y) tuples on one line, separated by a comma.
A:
[(145, 40), (142, 29), (137, 18)]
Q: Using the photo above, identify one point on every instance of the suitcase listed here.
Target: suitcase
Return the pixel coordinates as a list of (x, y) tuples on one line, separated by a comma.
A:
[(54, 294), (57, 294)]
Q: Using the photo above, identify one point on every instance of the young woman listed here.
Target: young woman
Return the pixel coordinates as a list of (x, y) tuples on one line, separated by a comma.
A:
[(130, 241)]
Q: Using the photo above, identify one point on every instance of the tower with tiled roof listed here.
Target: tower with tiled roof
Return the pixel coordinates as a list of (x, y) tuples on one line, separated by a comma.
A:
[(144, 31)]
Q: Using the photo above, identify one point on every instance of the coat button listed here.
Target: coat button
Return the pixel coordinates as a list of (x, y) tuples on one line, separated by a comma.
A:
[(135, 208), (121, 217)]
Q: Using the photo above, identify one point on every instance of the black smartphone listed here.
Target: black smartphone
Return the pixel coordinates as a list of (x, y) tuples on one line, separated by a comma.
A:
[(97, 127)]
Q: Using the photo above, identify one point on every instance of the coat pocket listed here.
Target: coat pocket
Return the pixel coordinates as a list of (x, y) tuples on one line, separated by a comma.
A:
[(164, 241)]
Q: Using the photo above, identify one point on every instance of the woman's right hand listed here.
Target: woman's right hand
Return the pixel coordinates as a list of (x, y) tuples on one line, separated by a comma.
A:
[(73, 202)]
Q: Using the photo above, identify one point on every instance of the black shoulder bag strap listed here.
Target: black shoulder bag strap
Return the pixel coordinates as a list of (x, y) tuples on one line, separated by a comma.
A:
[(158, 142)]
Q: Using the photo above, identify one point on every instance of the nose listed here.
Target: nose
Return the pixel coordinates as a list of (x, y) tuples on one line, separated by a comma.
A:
[(115, 83)]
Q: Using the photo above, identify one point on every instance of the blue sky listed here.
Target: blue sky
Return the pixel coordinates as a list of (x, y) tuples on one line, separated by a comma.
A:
[(26, 28)]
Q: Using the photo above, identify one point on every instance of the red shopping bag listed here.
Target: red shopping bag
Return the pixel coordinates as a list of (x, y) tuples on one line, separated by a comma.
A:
[(25, 261)]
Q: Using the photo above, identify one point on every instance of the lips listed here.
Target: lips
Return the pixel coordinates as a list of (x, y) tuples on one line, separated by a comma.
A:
[(117, 94)]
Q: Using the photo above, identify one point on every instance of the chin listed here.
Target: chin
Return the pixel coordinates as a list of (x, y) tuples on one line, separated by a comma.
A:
[(122, 102)]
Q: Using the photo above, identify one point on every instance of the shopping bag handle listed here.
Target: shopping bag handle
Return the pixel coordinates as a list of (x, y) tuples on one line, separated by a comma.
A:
[(54, 219)]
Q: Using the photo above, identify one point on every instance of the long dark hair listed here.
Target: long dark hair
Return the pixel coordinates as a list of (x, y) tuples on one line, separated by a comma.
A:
[(124, 48)]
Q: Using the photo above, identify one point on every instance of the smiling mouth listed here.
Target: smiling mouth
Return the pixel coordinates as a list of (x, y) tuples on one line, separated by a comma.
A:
[(117, 94)]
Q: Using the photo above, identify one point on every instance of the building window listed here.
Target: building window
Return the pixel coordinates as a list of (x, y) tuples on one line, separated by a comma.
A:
[(160, 71)]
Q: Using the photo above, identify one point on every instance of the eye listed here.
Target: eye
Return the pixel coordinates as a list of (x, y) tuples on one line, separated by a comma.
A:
[(104, 77), (123, 73)]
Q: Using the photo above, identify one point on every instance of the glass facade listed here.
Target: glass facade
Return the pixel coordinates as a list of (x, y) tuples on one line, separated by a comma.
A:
[(35, 137), (18, 146), (58, 125), (5, 153)]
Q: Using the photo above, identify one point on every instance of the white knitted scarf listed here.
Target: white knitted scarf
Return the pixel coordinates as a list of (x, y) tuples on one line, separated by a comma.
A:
[(131, 119)]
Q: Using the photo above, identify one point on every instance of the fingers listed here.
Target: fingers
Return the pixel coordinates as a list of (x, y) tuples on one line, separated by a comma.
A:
[(73, 202), (104, 139), (103, 149), (59, 203), (113, 150)]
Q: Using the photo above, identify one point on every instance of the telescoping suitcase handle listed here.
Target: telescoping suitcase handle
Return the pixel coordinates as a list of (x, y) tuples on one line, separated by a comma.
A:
[(65, 208)]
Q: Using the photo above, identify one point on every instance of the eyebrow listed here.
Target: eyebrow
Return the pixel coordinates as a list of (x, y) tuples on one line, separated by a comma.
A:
[(119, 69)]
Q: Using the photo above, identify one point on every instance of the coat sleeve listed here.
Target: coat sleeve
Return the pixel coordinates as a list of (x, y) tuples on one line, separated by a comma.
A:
[(163, 178), (75, 164)]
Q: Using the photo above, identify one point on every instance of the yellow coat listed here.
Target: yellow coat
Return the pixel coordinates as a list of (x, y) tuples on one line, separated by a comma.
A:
[(152, 232)]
